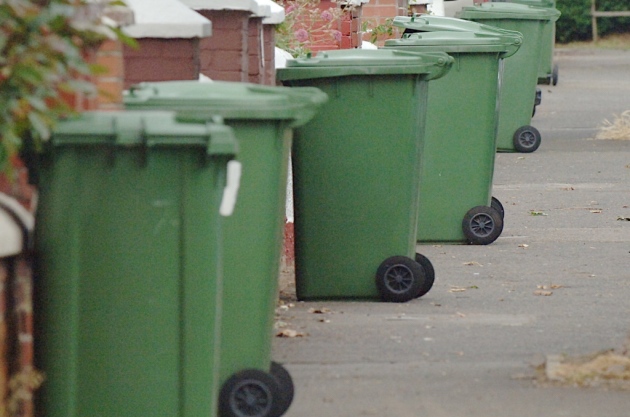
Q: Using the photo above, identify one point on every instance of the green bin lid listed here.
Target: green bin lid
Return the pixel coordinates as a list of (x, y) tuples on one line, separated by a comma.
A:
[(348, 62), (428, 23), (508, 11), (194, 100), (537, 3), (143, 128), (459, 42)]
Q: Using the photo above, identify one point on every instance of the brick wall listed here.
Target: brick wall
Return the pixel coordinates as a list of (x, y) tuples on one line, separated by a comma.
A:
[(376, 12), (255, 64), (269, 34), (158, 59), (225, 56)]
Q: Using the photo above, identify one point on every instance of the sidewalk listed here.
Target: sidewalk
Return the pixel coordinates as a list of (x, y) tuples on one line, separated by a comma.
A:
[(556, 282)]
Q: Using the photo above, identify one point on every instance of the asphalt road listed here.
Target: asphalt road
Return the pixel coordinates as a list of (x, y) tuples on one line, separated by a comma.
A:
[(470, 346)]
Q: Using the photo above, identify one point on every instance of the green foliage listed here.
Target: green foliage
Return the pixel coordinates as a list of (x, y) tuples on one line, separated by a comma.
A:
[(41, 45), (575, 22), (379, 31)]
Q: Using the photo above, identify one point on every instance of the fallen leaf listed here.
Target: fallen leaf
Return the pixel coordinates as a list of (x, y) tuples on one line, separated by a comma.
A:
[(457, 289), (543, 293), (290, 333), (596, 211), (537, 213), (473, 287), (623, 218), (569, 189), (324, 321), (322, 310), (472, 263), (462, 315), (523, 245), (549, 287)]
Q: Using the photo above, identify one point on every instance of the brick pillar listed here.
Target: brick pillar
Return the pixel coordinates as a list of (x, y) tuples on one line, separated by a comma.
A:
[(110, 83), (224, 56), (269, 61), (255, 51), (350, 28), (161, 59)]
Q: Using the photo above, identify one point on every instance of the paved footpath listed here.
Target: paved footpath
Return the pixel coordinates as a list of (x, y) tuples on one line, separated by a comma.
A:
[(470, 346)]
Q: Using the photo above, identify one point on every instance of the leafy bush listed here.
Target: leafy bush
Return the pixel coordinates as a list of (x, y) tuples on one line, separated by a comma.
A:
[(41, 56), (575, 22)]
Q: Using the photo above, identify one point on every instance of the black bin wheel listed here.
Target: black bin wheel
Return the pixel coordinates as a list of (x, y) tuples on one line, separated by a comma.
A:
[(429, 274), (287, 389), (399, 279), (526, 139), (554, 75), (496, 204), (482, 225), (250, 393)]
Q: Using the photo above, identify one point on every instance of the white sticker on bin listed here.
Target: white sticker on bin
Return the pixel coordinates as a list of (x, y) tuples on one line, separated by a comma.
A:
[(230, 192)]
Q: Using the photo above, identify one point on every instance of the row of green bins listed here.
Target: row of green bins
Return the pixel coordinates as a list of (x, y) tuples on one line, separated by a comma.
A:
[(547, 69), (520, 75), (356, 174), (128, 265), (262, 118), (456, 203)]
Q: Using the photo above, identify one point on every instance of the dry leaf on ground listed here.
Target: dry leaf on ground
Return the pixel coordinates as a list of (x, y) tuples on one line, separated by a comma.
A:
[(322, 310), (543, 293), (289, 333)]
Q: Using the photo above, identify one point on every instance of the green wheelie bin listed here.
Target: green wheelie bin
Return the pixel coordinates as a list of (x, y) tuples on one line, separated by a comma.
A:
[(356, 171), (456, 203), (520, 74), (128, 265), (547, 70), (262, 118)]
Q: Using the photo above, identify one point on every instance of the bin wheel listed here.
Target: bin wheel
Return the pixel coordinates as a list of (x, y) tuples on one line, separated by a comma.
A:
[(554, 74), (399, 279), (482, 225), (429, 274), (526, 139), (287, 389), (250, 393), (496, 204)]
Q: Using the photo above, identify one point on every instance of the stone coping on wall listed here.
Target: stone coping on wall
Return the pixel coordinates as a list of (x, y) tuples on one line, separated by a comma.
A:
[(166, 19), (276, 12), (252, 6)]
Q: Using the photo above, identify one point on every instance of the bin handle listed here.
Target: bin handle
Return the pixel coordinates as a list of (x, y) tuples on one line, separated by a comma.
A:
[(232, 184)]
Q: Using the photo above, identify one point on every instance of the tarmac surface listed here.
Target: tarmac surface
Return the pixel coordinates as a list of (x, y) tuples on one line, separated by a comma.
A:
[(557, 281)]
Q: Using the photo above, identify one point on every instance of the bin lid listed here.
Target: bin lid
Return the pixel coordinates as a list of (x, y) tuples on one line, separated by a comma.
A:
[(459, 42), (16, 226), (538, 3), (194, 100), (508, 11), (348, 62), (144, 128), (429, 23)]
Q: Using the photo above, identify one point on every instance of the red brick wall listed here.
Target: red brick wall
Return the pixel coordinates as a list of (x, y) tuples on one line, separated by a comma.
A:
[(224, 56), (255, 64), (161, 60), (269, 66)]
